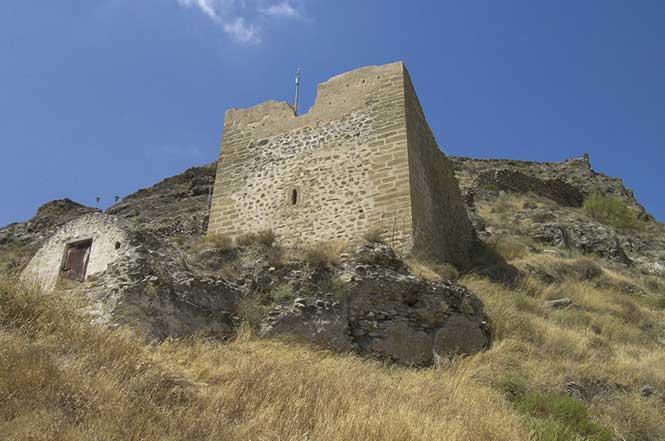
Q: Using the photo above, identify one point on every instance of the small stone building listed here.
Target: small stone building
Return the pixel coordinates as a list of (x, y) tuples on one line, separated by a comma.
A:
[(127, 277), (81, 248), (362, 159)]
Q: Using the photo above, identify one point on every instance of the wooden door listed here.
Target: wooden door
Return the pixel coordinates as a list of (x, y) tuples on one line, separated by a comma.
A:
[(76, 260)]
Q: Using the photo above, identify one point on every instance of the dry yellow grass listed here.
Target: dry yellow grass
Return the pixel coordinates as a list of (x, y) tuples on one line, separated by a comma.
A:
[(62, 379), (323, 254), (431, 270), (610, 339)]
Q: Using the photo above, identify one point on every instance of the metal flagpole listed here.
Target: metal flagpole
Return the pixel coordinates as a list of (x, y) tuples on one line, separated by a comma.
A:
[(295, 105)]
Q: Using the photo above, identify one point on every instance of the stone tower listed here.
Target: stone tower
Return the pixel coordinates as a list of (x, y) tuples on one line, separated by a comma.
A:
[(362, 159)]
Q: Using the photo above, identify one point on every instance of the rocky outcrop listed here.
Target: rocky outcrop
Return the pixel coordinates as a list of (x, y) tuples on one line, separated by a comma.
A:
[(591, 238), (48, 219), (577, 172), (177, 206), (156, 295), (369, 303), (562, 224), (387, 313), (19, 241)]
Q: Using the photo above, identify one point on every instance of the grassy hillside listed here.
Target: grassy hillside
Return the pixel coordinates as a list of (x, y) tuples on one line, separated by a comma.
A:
[(63, 379)]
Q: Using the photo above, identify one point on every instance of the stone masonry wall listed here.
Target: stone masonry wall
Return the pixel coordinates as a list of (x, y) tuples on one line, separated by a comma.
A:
[(363, 158), (346, 159), (516, 181), (441, 228)]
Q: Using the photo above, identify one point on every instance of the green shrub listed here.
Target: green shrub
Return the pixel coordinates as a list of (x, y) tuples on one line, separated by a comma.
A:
[(611, 211), (554, 417), (514, 387), (281, 293), (560, 417), (339, 288)]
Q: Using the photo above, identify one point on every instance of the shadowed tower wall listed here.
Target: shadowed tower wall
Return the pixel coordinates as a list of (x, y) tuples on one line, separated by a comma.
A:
[(356, 162), (441, 228)]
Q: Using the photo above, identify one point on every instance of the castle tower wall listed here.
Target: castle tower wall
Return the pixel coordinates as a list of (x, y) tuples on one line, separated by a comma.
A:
[(362, 159), (344, 164), (441, 227)]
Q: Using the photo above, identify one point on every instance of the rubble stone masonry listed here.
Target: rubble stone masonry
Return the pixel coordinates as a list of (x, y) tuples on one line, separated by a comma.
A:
[(363, 158)]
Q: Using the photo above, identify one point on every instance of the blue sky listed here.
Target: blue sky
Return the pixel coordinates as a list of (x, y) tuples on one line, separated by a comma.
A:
[(103, 97)]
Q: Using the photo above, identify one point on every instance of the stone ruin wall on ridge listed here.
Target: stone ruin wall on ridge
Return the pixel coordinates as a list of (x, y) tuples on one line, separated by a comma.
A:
[(363, 158)]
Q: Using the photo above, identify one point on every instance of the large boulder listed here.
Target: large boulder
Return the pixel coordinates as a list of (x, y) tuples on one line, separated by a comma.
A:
[(320, 323), (387, 313), (460, 335)]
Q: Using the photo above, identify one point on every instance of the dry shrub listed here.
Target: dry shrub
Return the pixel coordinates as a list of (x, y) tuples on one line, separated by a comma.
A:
[(618, 284), (276, 256), (13, 259), (264, 237), (502, 210), (511, 248), (542, 217), (375, 235), (432, 270), (251, 310), (339, 289), (633, 314), (507, 311), (422, 269), (220, 242), (323, 255), (654, 285), (528, 204), (268, 389), (507, 203), (62, 379), (246, 239), (632, 417)]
